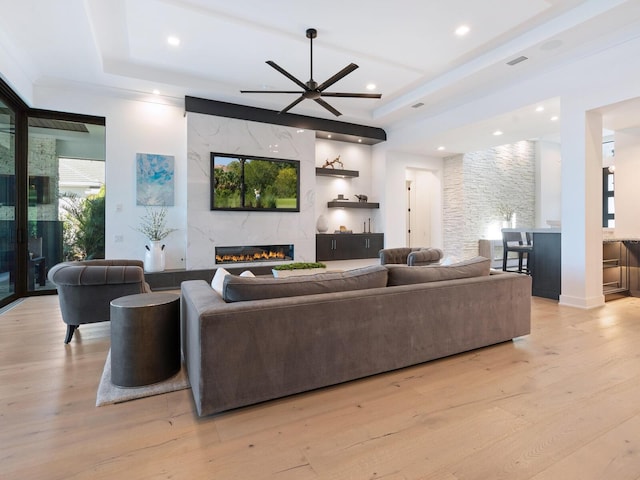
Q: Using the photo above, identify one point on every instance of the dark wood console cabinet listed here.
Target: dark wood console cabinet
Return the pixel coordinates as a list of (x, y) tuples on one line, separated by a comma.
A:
[(348, 246)]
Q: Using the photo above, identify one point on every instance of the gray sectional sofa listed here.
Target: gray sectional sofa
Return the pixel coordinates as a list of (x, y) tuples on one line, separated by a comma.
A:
[(265, 338)]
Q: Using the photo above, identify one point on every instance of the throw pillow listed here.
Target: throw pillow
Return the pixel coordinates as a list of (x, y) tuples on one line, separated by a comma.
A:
[(218, 280), (406, 275), (238, 289), (247, 273)]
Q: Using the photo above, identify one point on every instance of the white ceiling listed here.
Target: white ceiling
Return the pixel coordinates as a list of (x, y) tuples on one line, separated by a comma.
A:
[(407, 48)]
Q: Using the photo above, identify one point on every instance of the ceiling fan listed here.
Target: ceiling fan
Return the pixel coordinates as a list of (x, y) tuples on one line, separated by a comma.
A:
[(311, 89)]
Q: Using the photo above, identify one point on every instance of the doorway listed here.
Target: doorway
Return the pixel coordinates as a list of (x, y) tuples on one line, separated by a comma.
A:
[(420, 185)]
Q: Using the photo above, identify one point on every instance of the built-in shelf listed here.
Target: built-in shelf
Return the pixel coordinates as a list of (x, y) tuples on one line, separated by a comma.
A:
[(353, 205), (336, 172), (615, 270)]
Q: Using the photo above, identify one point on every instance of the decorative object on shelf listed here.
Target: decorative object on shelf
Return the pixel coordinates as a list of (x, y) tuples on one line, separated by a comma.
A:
[(340, 198), (321, 224), (343, 229), (362, 198), (332, 163), (298, 268), (153, 226)]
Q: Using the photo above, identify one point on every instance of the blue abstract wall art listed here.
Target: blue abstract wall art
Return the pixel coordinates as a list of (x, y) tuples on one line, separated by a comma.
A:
[(154, 179)]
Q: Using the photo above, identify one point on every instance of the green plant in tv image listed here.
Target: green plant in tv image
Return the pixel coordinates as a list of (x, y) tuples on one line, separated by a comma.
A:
[(227, 185), (270, 184)]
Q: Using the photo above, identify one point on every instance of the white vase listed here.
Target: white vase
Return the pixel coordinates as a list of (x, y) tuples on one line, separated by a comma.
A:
[(322, 225), (154, 256)]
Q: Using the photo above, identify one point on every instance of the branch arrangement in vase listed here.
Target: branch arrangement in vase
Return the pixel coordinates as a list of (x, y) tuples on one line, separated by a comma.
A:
[(153, 224)]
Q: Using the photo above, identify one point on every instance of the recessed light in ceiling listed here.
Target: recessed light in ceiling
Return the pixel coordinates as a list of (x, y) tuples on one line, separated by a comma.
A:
[(173, 40), (371, 86), (156, 91), (441, 148), (554, 118), (497, 133), (462, 30), (328, 136), (540, 108)]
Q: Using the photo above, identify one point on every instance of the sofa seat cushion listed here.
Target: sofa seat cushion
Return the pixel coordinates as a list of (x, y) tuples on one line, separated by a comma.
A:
[(408, 275), (239, 289)]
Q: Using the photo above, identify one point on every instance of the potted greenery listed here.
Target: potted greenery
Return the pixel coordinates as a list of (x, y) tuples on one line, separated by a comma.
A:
[(153, 225), (298, 268)]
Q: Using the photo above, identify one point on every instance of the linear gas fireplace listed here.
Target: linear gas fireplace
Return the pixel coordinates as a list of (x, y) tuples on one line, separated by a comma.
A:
[(253, 253)]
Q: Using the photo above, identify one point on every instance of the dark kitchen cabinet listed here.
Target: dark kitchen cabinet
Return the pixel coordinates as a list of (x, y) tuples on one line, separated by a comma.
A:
[(348, 246)]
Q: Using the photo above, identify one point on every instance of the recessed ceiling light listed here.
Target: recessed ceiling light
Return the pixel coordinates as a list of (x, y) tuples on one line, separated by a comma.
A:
[(554, 118), (300, 130), (328, 136), (156, 91), (173, 40), (359, 140), (462, 30), (371, 86), (441, 148), (497, 133), (540, 108)]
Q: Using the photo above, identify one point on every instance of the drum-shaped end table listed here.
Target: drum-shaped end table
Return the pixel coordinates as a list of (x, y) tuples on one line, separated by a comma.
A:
[(145, 338)]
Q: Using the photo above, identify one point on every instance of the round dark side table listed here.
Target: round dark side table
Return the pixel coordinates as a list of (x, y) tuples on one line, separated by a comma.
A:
[(145, 338)]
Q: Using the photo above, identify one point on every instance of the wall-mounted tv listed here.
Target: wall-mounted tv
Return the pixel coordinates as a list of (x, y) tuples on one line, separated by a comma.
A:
[(240, 182)]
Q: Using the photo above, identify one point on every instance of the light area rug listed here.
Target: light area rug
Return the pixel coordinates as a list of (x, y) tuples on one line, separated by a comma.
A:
[(109, 393)]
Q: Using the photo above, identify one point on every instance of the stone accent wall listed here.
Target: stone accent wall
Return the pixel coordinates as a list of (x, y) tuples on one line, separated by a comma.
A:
[(43, 161), (475, 187)]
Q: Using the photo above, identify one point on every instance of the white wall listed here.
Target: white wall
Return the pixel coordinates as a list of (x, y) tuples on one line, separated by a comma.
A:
[(627, 180), (548, 182), (419, 198), (390, 179), (132, 126)]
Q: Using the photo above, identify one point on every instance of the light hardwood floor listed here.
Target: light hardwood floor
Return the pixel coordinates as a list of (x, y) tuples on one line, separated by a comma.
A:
[(562, 403)]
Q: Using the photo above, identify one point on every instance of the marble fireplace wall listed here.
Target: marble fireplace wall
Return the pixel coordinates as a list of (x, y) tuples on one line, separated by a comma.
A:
[(207, 229)]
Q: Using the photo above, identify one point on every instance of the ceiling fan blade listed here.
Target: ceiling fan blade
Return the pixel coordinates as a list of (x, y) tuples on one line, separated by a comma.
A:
[(287, 74), (271, 91), (342, 73), (351, 95), (328, 107), (292, 104)]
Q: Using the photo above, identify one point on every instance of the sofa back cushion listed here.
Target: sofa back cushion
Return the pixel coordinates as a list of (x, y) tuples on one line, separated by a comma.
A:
[(406, 275), (239, 289)]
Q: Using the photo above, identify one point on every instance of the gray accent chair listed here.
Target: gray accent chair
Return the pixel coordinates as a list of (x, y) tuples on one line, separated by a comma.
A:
[(86, 288), (410, 256)]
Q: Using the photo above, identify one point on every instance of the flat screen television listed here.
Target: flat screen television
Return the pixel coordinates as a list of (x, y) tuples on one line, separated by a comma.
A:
[(240, 182)]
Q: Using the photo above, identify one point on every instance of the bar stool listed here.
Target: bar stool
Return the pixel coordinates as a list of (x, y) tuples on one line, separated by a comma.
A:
[(512, 242)]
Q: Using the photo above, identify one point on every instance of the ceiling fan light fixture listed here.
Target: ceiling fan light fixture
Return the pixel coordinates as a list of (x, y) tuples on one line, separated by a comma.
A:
[(371, 86), (311, 90), (173, 40)]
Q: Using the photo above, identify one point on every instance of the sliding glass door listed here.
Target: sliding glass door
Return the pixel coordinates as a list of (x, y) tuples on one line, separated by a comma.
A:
[(65, 196), (8, 243)]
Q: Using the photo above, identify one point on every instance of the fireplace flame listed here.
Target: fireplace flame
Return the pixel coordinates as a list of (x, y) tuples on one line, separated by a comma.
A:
[(258, 256)]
